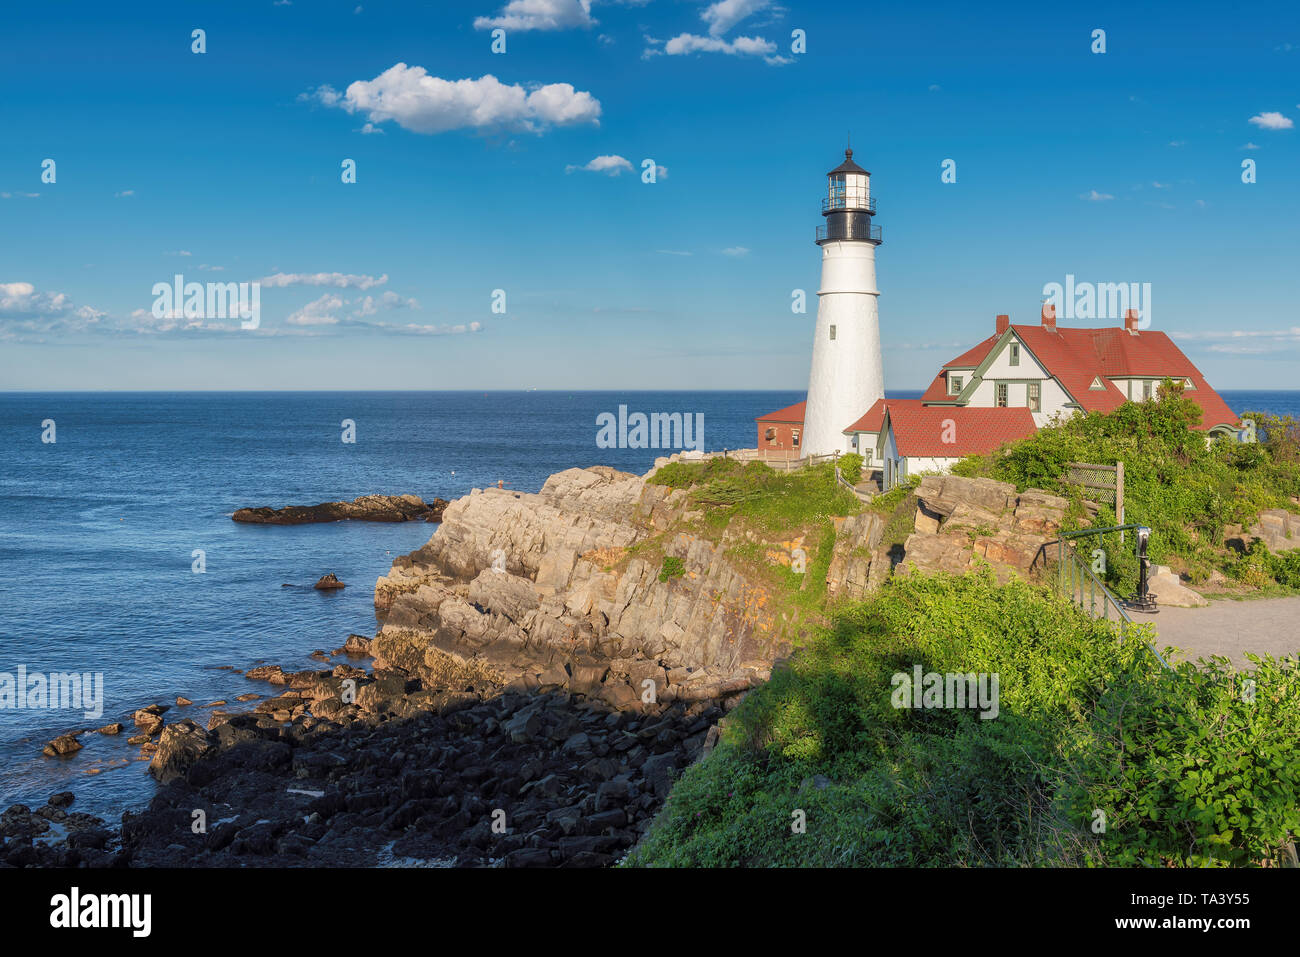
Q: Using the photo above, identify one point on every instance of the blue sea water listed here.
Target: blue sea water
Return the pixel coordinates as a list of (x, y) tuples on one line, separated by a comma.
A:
[(97, 532)]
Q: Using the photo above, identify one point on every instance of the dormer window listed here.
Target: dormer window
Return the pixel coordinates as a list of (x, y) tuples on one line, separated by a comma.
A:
[(1097, 385), (1188, 383), (1014, 357), (955, 383)]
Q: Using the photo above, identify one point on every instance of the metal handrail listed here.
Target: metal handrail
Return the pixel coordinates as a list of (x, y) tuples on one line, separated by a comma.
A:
[(871, 234), (1100, 531), (1073, 573), (831, 204)]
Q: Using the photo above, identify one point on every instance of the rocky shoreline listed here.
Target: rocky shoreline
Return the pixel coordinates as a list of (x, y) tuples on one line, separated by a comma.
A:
[(553, 754), (537, 682), (366, 508)]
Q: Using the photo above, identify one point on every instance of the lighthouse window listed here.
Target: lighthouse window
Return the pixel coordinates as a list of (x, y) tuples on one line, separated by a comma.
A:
[(837, 192), (1002, 395), (1015, 354), (832, 332)]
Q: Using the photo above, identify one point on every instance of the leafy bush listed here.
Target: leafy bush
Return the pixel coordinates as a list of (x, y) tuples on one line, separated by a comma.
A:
[(1194, 767), (851, 467), (1185, 771)]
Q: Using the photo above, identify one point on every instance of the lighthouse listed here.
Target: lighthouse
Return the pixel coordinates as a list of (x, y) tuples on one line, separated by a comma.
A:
[(847, 373)]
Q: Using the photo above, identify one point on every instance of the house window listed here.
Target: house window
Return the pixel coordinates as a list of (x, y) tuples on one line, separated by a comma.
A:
[(1015, 354), (1189, 384), (1097, 384), (794, 438), (1001, 392), (1146, 388), (955, 384), (1034, 393), (832, 333)]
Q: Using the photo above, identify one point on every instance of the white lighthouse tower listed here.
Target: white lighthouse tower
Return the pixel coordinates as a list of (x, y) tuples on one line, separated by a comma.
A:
[(847, 373)]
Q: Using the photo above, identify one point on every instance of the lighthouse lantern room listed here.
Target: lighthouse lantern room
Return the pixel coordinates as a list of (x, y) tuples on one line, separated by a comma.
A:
[(847, 372)]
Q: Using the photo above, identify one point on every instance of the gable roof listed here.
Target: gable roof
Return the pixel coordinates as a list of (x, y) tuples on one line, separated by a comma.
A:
[(1077, 357), (875, 416), (791, 413), (920, 430)]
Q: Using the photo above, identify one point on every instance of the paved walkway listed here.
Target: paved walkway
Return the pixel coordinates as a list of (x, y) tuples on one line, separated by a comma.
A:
[(1231, 628)]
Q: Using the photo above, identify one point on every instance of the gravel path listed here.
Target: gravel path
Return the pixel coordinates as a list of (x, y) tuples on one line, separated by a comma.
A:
[(1231, 628)]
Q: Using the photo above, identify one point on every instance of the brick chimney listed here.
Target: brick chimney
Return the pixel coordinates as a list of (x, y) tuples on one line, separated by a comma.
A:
[(1131, 321), (1049, 317), (1004, 323)]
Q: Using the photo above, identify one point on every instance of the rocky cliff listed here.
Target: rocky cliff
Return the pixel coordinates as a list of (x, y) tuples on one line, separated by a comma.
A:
[(568, 589)]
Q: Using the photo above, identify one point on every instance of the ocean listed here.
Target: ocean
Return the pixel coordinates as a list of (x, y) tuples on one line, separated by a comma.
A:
[(98, 532)]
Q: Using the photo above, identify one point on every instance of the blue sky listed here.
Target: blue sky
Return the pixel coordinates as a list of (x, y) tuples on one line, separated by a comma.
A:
[(1123, 166)]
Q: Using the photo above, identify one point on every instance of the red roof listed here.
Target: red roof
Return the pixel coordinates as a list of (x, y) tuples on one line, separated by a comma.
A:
[(1076, 357), (875, 417), (920, 430), (973, 357), (791, 413)]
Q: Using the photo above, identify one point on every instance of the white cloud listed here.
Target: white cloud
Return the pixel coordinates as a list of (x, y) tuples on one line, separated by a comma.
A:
[(370, 129), (687, 43), (736, 251), (1093, 196), (20, 195), (1271, 121), (725, 14), (25, 312), (1250, 146), (318, 312), (520, 15), (22, 299), (125, 192), (422, 103), (610, 165), (392, 300), (341, 280), (674, 252)]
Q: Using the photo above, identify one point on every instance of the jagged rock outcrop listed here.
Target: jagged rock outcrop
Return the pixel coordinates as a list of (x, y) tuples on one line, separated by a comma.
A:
[(566, 588), (857, 566), (961, 521), (367, 508), (1279, 529)]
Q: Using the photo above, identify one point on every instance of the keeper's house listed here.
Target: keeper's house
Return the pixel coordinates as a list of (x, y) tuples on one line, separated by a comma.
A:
[(1008, 386)]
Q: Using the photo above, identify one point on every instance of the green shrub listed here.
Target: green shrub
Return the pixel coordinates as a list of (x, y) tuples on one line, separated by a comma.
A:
[(851, 467), (1185, 771)]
